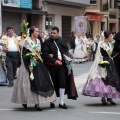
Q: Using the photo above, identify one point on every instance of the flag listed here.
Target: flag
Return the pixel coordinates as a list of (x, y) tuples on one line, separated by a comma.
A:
[(81, 24)]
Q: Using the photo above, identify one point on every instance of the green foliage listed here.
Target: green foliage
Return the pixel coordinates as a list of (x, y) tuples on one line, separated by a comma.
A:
[(24, 27)]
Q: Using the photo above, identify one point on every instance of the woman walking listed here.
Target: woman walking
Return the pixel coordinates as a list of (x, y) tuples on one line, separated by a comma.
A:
[(33, 84), (103, 80)]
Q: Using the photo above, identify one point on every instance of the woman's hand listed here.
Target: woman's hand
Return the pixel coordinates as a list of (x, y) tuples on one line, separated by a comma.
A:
[(31, 67)]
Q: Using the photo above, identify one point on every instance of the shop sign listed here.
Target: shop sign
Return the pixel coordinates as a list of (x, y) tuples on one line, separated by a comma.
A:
[(18, 3), (26, 4), (94, 17)]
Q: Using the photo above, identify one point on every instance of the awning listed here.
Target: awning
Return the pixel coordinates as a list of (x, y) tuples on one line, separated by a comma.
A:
[(71, 3), (94, 17), (21, 10)]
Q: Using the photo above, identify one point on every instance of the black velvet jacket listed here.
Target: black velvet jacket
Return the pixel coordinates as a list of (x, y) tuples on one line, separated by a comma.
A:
[(49, 47)]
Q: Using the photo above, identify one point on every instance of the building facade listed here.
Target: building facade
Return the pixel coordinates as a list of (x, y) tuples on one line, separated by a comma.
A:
[(61, 13), (103, 15), (13, 14), (45, 14)]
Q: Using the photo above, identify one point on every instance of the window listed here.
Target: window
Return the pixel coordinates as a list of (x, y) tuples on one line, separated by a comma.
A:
[(93, 1), (49, 22)]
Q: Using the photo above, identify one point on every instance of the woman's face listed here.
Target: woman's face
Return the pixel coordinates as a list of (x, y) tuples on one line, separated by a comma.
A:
[(36, 33), (110, 37), (79, 35)]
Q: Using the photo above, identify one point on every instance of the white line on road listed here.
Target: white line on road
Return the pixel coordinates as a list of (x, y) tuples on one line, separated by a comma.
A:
[(114, 113), (6, 109)]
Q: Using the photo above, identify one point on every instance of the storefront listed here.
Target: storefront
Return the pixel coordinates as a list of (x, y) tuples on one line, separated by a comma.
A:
[(13, 15), (95, 23)]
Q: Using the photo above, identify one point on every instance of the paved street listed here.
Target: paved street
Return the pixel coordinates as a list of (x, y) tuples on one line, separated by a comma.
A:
[(85, 108)]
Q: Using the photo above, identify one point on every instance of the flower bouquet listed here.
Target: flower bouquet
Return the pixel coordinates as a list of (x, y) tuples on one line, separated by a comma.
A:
[(104, 64), (33, 62), (24, 29), (68, 60)]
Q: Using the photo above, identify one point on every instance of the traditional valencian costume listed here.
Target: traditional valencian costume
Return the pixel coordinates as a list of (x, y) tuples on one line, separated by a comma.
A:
[(3, 78), (116, 52), (61, 75), (80, 53), (103, 82), (33, 86), (12, 57)]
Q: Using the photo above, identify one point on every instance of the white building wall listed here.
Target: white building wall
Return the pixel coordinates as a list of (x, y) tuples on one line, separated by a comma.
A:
[(59, 11), (0, 19), (58, 22)]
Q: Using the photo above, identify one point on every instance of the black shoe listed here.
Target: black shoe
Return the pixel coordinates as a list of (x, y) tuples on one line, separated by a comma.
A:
[(24, 105), (64, 106), (111, 101), (52, 105), (38, 108), (10, 84), (103, 101)]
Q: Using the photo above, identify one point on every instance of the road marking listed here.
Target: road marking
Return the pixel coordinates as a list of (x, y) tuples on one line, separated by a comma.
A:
[(6, 109), (115, 113)]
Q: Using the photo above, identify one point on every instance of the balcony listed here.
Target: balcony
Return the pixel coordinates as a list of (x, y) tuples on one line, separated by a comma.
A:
[(74, 3)]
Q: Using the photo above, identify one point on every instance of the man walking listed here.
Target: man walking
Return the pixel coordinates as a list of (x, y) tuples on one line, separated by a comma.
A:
[(54, 49), (12, 56)]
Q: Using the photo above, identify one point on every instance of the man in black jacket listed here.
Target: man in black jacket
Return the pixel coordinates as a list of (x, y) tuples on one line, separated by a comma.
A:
[(53, 50)]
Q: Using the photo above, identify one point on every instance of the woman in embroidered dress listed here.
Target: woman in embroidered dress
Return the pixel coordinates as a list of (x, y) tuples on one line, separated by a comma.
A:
[(33, 84), (3, 78), (103, 82), (80, 54)]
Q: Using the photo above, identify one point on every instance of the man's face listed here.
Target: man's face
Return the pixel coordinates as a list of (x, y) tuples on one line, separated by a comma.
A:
[(54, 34), (10, 32), (36, 33)]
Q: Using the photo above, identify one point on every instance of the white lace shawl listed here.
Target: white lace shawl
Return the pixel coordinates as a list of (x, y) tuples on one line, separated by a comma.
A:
[(96, 70), (27, 45)]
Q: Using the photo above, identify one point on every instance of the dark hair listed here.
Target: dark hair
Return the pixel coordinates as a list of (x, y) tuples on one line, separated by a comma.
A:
[(8, 28), (117, 37), (55, 28), (107, 34), (32, 30)]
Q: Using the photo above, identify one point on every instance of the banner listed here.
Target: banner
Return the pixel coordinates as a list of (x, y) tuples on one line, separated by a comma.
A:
[(81, 24), (18, 3), (11, 3)]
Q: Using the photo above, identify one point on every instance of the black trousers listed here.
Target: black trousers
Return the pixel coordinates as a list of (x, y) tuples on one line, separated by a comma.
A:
[(11, 65), (58, 75)]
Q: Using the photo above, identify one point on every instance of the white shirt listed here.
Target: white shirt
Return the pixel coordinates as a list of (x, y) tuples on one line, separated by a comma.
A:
[(11, 45), (59, 54)]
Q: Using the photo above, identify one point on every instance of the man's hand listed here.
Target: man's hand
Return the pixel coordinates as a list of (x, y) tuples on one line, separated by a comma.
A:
[(5, 49), (58, 62), (51, 55)]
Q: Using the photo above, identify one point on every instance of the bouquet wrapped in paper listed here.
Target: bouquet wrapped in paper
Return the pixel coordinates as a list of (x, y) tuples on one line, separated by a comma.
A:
[(68, 60), (33, 62), (104, 64)]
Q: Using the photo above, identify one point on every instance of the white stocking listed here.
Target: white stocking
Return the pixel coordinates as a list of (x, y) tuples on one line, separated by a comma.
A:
[(62, 92)]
